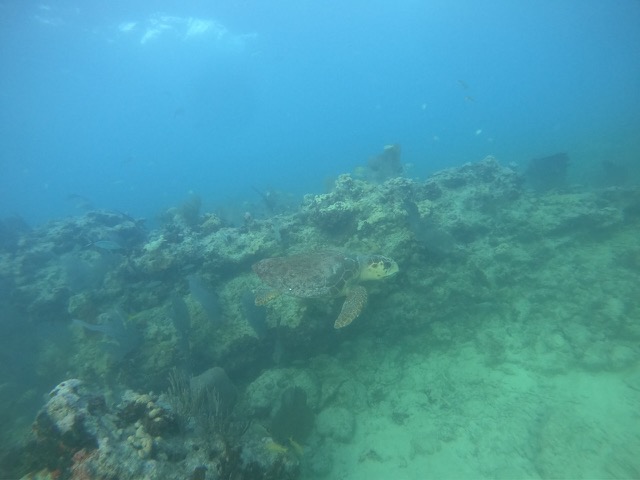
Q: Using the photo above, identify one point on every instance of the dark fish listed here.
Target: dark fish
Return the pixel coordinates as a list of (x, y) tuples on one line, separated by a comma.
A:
[(206, 297), (547, 173), (180, 315), (83, 274), (11, 230), (256, 316), (104, 329), (128, 217), (178, 112), (269, 198), (121, 339), (215, 379), (80, 202), (293, 417), (413, 215), (182, 323), (427, 232)]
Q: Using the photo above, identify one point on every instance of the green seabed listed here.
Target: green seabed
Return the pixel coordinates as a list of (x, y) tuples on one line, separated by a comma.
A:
[(506, 347)]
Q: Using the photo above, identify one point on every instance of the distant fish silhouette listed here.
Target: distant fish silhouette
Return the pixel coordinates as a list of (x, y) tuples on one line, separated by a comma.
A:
[(180, 315), (107, 330), (136, 221), (206, 297), (182, 323), (463, 84), (256, 316), (120, 339), (128, 160), (547, 173), (108, 245), (178, 112), (80, 202), (269, 198), (427, 232)]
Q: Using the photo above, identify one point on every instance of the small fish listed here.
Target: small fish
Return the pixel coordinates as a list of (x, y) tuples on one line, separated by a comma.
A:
[(80, 202), (104, 329), (256, 316), (269, 198), (296, 447), (180, 315), (126, 216), (426, 231), (463, 84), (120, 339), (413, 215), (206, 297), (178, 112), (108, 245), (275, 448)]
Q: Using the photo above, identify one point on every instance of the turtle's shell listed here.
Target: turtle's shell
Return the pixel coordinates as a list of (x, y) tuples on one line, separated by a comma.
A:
[(307, 275)]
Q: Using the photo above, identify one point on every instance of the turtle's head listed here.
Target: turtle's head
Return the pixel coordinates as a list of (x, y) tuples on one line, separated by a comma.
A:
[(375, 267)]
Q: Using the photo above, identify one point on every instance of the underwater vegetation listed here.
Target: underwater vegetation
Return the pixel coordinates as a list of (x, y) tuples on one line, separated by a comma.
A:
[(166, 368)]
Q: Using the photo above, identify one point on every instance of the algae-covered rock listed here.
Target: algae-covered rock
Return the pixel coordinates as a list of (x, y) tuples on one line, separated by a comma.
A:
[(356, 208), (575, 213), (68, 423), (68, 414), (265, 391), (262, 457)]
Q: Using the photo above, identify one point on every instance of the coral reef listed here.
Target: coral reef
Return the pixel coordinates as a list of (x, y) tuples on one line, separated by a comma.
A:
[(77, 435), (474, 245)]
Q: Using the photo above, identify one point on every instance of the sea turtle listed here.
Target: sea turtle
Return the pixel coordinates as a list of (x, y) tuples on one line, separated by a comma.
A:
[(324, 274)]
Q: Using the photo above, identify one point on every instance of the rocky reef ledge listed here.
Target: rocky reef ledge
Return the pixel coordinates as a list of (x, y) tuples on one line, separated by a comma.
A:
[(109, 308)]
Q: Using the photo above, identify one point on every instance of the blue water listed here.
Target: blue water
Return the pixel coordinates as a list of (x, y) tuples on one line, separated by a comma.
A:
[(135, 104)]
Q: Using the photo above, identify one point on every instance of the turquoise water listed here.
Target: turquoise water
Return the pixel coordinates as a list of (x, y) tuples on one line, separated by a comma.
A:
[(216, 99), (152, 155)]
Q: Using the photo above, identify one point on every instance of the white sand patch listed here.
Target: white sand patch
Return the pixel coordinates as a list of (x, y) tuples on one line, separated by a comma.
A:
[(449, 415)]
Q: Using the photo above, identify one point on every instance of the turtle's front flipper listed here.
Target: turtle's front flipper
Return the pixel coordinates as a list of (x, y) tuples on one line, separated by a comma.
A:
[(353, 305)]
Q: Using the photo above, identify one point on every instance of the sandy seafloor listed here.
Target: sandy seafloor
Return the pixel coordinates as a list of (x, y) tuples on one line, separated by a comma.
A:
[(530, 389), (451, 416)]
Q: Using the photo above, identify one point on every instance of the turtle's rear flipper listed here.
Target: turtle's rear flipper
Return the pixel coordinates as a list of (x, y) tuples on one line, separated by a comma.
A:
[(353, 305), (265, 296)]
